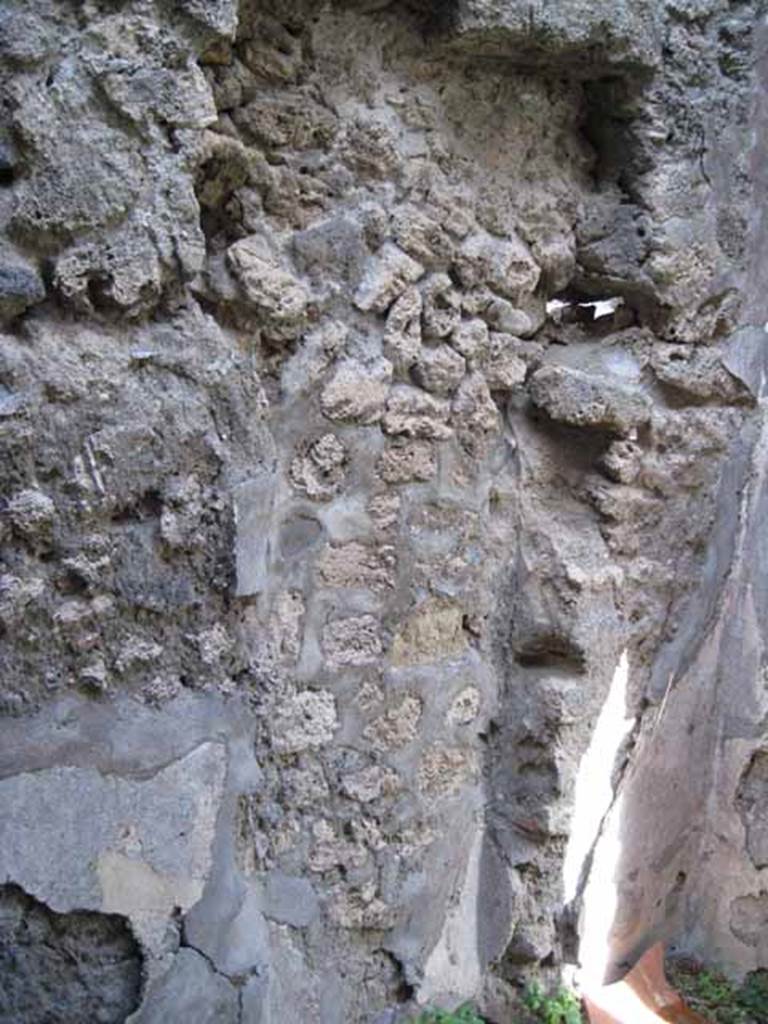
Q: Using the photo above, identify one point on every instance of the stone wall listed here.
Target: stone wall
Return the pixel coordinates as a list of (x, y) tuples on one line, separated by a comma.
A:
[(331, 502)]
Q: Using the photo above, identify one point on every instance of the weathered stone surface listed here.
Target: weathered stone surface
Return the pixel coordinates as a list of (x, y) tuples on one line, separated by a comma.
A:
[(385, 278), (266, 646), (83, 964), (32, 514), (465, 706), (147, 850), (318, 468), (439, 370), (20, 288), (408, 462), (697, 374), (352, 641), (442, 306), (601, 36), (502, 364), (444, 770), (253, 513), (304, 721), (470, 338), (402, 334), (395, 727), (412, 413), (506, 267), (357, 392), (473, 410), (574, 397), (275, 294), (289, 900), (370, 784), (432, 632), (190, 989), (358, 566), (751, 799)]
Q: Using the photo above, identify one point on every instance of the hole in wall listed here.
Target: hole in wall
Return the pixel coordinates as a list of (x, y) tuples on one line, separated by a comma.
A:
[(72, 967)]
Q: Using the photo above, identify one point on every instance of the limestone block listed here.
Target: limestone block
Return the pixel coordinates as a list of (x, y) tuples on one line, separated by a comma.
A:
[(276, 295), (178, 96), (601, 35), (218, 15), (697, 373), (574, 397), (317, 469), (408, 462), (290, 119), (506, 266), (32, 514), (358, 566), (305, 787), (444, 770), (442, 306), (333, 248), (354, 640), (413, 413), (329, 851), (396, 726), (473, 411), (465, 706), (304, 721), (470, 338), (422, 236), (402, 333), (384, 512), (439, 370), (385, 278), (433, 632), (357, 391), (370, 783), (502, 365), (363, 909)]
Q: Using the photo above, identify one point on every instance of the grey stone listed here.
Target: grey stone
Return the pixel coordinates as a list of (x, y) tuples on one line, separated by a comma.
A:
[(219, 15), (574, 397), (385, 277), (254, 506), (20, 288), (147, 851), (190, 990), (289, 900), (594, 38), (336, 246), (323, 545)]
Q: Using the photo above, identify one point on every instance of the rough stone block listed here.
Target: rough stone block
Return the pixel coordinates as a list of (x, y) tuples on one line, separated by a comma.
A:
[(386, 276), (357, 391), (580, 400)]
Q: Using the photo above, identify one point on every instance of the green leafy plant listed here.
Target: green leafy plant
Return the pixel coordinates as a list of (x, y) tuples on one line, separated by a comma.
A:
[(753, 996), (465, 1014), (714, 989), (563, 1007), (716, 998)]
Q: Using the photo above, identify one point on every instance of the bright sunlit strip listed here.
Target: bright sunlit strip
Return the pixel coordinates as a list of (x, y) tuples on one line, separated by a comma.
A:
[(593, 793), (599, 905)]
